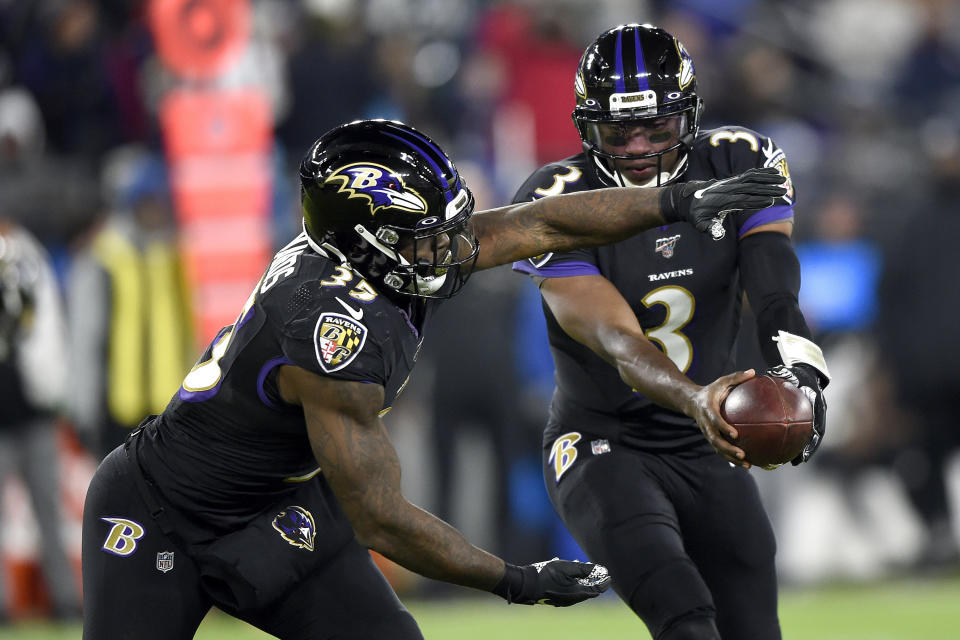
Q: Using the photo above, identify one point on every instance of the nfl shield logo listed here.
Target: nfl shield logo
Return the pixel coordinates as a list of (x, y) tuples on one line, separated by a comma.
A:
[(599, 447), (165, 561)]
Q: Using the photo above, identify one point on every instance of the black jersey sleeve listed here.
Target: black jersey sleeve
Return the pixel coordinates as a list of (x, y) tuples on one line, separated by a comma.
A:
[(733, 150), (770, 273), (566, 176), (555, 179)]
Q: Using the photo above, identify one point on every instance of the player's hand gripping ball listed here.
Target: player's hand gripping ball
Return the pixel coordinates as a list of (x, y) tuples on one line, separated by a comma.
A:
[(773, 419)]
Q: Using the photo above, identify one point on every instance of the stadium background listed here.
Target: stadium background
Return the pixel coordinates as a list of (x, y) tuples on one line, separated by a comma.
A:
[(180, 124)]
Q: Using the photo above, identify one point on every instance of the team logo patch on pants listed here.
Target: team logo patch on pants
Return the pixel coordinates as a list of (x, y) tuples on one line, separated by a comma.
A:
[(123, 536), (296, 526), (563, 453)]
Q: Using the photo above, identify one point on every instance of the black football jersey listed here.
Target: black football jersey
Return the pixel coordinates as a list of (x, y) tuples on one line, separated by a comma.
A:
[(226, 446), (682, 285)]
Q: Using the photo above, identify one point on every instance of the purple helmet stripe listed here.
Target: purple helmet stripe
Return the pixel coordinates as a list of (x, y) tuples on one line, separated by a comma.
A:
[(428, 157), (446, 159), (434, 147), (641, 65), (621, 86)]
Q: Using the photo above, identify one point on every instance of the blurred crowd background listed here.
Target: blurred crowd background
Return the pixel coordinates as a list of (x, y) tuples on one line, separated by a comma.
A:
[(148, 156)]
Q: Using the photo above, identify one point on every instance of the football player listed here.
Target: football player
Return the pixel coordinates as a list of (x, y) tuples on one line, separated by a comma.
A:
[(637, 458), (269, 474)]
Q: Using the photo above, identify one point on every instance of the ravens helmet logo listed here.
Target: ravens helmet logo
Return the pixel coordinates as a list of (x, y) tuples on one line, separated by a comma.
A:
[(382, 187)]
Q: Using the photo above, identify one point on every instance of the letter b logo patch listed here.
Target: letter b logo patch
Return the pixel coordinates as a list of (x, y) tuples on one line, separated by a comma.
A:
[(563, 453), (123, 536)]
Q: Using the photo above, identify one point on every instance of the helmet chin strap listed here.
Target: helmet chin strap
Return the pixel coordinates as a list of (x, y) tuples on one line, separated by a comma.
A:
[(658, 180), (601, 166)]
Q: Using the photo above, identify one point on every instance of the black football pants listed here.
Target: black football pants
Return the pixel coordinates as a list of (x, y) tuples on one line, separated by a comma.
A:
[(139, 585), (684, 535)]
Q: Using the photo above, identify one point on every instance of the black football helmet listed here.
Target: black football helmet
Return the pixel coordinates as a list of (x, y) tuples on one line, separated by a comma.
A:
[(631, 74), (385, 198)]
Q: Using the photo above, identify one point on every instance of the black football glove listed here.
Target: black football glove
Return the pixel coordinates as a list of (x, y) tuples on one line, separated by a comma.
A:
[(556, 582), (705, 203), (811, 383)]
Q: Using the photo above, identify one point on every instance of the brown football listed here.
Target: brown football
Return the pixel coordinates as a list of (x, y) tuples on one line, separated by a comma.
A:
[(774, 420)]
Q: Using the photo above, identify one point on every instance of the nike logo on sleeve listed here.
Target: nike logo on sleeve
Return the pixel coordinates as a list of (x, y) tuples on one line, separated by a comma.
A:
[(356, 314)]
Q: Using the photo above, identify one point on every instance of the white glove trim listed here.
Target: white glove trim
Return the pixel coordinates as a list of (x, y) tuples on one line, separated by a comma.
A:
[(794, 349)]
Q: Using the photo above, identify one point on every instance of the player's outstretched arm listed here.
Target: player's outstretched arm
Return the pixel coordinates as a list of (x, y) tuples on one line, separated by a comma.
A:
[(594, 218), (770, 273), (360, 463), (593, 312)]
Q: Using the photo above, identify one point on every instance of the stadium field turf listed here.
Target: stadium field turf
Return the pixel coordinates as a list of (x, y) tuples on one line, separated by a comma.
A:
[(893, 610)]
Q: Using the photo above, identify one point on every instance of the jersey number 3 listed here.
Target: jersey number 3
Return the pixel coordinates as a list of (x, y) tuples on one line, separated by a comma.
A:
[(680, 305)]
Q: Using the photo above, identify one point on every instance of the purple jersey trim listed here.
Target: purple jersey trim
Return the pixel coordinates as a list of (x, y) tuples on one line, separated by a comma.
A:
[(766, 216), (199, 396), (406, 318), (206, 394), (262, 378), (246, 316), (557, 270)]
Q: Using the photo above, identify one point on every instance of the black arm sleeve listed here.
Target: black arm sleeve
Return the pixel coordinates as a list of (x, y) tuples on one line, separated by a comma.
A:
[(770, 273)]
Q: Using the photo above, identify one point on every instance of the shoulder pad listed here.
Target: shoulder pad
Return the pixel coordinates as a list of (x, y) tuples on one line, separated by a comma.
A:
[(745, 147), (334, 321), (565, 176), (733, 149), (333, 289)]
